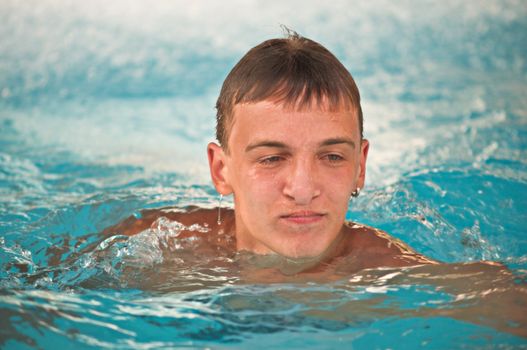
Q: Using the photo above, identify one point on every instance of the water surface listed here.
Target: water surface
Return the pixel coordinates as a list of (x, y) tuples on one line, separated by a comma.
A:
[(105, 110)]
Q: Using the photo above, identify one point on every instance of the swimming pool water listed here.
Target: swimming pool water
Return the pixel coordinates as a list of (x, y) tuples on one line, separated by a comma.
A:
[(105, 109)]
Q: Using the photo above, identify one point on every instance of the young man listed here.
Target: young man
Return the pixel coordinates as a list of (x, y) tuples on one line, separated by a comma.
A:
[(291, 152)]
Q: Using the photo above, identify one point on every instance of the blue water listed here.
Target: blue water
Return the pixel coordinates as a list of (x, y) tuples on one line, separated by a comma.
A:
[(106, 108)]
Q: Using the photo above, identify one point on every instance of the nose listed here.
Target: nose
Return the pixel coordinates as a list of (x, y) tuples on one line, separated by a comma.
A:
[(301, 183)]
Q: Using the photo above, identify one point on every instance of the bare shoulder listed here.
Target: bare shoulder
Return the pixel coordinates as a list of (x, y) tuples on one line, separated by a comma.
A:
[(187, 216), (378, 245)]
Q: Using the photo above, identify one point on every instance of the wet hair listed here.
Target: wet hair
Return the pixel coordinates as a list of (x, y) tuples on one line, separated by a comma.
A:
[(294, 71)]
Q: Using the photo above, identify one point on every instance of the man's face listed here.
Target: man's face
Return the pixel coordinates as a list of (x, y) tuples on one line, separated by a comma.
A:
[(291, 174)]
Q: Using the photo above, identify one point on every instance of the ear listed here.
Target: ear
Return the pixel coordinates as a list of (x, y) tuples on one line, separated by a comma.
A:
[(364, 147), (218, 168)]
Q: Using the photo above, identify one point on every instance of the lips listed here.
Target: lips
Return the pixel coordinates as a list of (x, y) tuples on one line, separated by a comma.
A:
[(303, 217)]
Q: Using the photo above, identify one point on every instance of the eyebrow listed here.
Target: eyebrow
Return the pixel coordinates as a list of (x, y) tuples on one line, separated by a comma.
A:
[(277, 144), (274, 144), (338, 141)]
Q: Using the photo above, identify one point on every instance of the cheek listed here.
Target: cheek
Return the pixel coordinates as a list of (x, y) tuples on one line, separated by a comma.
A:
[(339, 192), (265, 185), (257, 186), (339, 187)]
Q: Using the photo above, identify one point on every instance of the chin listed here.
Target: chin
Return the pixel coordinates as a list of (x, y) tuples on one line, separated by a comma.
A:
[(304, 242)]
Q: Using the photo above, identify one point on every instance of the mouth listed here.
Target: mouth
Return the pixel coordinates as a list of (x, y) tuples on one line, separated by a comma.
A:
[(303, 217)]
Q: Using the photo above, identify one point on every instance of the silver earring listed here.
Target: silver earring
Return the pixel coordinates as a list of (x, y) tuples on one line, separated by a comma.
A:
[(356, 192), (219, 210)]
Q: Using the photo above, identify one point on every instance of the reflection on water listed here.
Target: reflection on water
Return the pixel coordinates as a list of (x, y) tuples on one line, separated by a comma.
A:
[(129, 294), (128, 288), (169, 278)]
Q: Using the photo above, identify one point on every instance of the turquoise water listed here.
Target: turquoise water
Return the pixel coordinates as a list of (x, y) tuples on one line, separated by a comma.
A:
[(105, 109)]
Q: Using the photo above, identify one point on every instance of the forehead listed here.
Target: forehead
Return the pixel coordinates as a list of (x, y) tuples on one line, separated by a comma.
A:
[(268, 120)]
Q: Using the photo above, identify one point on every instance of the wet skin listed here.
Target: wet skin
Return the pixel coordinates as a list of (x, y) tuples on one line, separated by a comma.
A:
[(291, 173), (359, 246)]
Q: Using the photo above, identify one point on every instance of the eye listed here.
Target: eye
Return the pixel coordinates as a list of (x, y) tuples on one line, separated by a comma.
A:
[(271, 160), (333, 158)]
